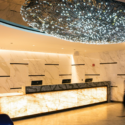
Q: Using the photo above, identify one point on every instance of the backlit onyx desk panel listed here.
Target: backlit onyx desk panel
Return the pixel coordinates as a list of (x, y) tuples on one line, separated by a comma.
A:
[(43, 99)]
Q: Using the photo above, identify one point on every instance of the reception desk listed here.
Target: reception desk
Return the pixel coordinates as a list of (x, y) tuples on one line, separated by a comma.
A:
[(42, 99)]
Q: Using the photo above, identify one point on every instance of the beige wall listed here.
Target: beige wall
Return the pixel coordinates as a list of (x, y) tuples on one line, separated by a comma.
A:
[(19, 73), (108, 72)]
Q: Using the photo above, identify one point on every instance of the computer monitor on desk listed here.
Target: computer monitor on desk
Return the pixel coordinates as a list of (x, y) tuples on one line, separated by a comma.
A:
[(64, 81), (88, 80), (38, 82)]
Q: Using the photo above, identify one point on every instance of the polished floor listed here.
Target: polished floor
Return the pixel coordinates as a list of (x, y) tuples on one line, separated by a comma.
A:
[(103, 114)]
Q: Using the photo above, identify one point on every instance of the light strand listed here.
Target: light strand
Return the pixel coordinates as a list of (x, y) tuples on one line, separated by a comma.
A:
[(86, 21)]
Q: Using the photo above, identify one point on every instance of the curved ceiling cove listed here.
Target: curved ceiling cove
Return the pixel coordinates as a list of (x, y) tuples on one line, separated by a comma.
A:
[(20, 39), (85, 21)]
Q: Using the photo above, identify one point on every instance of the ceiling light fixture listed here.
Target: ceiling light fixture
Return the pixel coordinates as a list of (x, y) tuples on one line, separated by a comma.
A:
[(86, 21)]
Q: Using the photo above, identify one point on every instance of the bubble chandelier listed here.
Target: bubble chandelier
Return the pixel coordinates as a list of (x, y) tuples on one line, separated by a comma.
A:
[(86, 21)]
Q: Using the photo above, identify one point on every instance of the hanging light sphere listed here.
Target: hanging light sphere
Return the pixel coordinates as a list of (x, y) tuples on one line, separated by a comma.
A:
[(86, 21)]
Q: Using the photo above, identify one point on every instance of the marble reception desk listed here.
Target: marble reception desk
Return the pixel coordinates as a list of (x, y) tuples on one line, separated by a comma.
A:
[(42, 99)]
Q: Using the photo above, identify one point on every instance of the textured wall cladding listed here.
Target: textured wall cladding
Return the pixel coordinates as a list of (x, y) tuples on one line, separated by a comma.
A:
[(108, 56), (36, 63), (65, 64), (89, 69), (4, 63), (108, 72), (19, 65), (19, 74), (78, 71), (78, 74)]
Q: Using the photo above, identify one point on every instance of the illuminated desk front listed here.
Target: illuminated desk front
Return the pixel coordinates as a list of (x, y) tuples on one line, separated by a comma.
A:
[(30, 104)]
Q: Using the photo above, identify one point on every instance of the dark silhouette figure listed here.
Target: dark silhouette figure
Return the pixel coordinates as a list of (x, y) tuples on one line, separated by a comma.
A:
[(5, 120), (124, 101), (124, 104)]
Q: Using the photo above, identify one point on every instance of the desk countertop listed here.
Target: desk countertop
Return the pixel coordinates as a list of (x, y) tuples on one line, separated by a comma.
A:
[(10, 94)]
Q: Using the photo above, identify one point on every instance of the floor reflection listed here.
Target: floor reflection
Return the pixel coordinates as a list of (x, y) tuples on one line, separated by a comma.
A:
[(103, 114)]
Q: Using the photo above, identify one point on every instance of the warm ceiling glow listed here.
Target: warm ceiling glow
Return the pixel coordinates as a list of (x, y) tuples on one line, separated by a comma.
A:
[(35, 52)]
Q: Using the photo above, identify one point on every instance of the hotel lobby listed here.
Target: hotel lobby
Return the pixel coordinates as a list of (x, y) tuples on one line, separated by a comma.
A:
[(52, 72)]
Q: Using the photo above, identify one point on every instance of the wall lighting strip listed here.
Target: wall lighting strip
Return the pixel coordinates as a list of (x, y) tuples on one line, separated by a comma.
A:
[(19, 63), (92, 74), (109, 63), (65, 74), (16, 88), (34, 52), (77, 64), (4, 76), (51, 64), (114, 86), (36, 75), (120, 74)]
